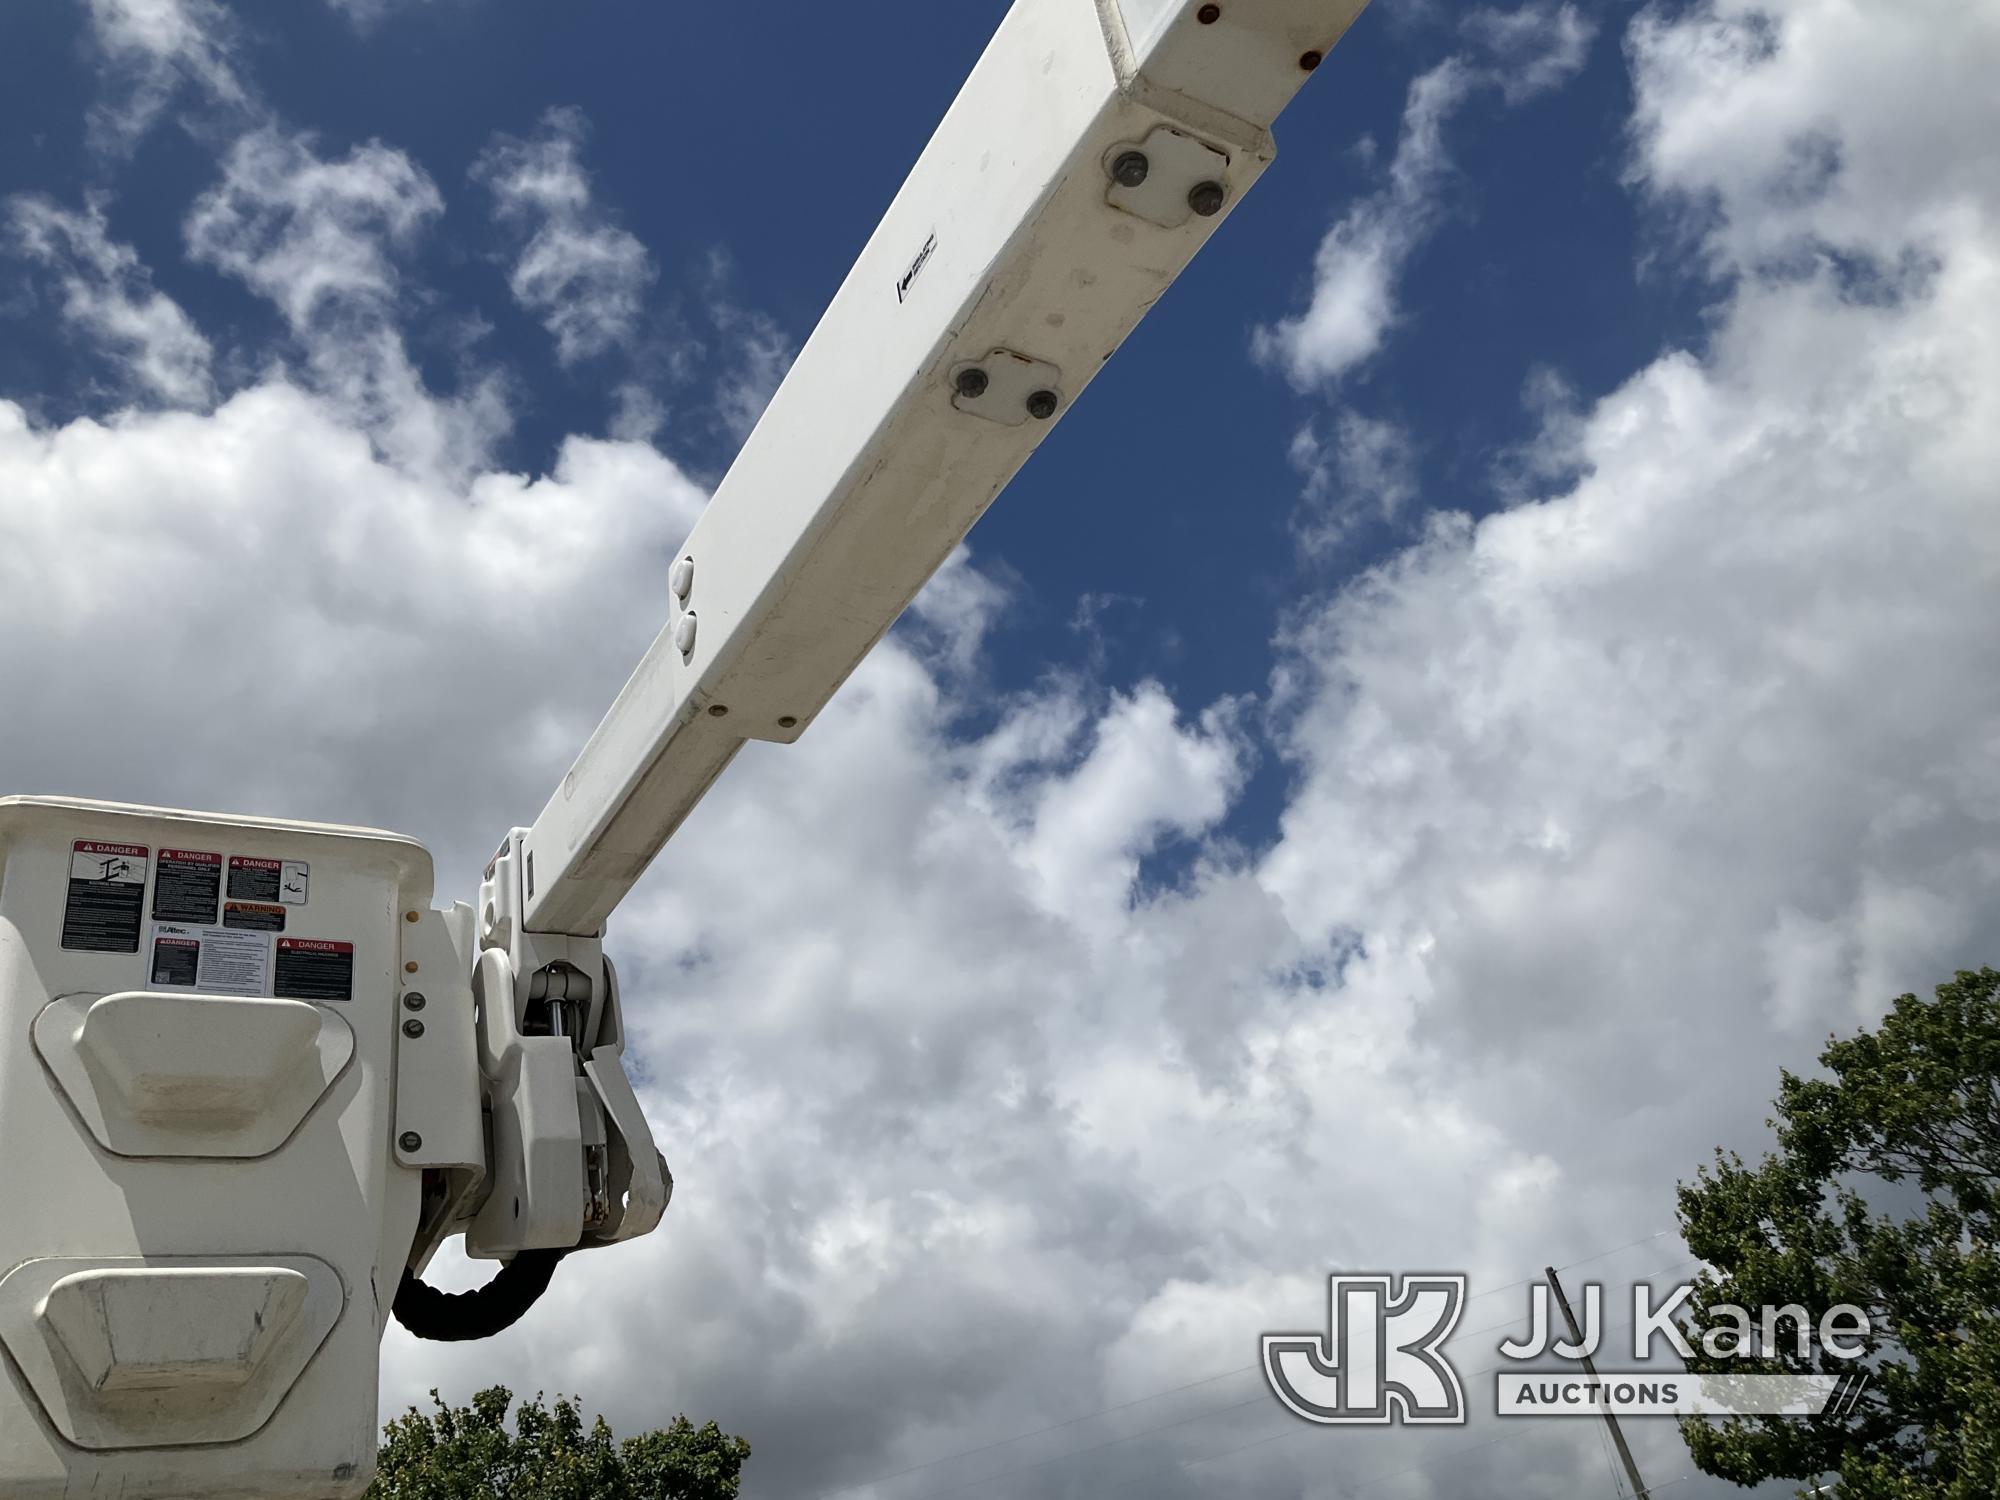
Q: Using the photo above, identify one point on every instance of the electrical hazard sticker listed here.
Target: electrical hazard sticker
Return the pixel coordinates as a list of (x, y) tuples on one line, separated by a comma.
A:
[(107, 897), (309, 969), (187, 886), (211, 960), (256, 916)]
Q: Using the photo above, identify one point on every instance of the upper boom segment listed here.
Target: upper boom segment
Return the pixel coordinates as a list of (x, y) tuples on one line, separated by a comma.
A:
[(1091, 153)]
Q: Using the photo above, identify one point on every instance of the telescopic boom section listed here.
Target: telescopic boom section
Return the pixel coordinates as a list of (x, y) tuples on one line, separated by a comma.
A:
[(1095, 147)]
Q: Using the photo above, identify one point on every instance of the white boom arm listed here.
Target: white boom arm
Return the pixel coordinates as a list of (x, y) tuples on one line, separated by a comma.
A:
[(1089, 156), (252, 1079)]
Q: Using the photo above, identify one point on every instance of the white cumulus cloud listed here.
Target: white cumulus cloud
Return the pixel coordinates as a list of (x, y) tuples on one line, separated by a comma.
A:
[(1792, 131), (1533, 49), (576, 270), (1355, 467), (313, 235), (152, 50), (322, 239), (108, 297), (1358, 270), (365, 14), (362, 604), (1360, 262), (1597, 811)]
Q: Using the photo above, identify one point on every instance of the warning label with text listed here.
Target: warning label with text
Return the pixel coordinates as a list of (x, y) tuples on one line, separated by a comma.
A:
[(309, 969), (176, 962), (212, 960), (187, 886), (253, 915), (107, 897), (255, 879)]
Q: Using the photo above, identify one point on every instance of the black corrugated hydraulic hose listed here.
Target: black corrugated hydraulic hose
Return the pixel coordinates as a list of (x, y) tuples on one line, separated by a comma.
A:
[(453, 1317)]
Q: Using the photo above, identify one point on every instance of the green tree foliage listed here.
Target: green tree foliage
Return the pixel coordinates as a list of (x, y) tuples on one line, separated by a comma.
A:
[(1882, 1194), (468, 1453)]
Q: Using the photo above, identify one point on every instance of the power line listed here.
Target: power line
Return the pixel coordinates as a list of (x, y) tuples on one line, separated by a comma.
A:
[(1611, 1464), (1679, 1265)]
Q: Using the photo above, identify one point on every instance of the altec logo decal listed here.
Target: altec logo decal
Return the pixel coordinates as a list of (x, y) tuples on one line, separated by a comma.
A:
[(909, 278)]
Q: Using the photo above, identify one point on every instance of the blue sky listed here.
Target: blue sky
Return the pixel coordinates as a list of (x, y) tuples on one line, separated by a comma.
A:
[(753, 172), (1498, 666)]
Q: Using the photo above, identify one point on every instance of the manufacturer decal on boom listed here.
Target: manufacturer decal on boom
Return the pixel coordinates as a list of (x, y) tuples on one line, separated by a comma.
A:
[(910, 276)]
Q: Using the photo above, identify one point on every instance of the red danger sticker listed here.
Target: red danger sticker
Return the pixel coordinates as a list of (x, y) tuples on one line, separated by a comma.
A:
[(188, 886), (176, 962), (314, 969), (255, 879), (107, 897)]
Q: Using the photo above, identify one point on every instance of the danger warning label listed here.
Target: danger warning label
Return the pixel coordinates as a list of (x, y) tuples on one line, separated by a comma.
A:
[(254, 915), (176, 962), (107, 897), (187, 886), (309, 969), (213, 960), (255, 879)]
